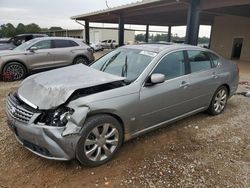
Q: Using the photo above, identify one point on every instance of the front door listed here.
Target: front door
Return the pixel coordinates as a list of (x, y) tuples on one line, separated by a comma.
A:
[(170, 99), (41, 57)]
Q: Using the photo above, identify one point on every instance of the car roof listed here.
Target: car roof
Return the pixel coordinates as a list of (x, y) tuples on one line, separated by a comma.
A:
[(60, 38), (159, 47), (31, 34)]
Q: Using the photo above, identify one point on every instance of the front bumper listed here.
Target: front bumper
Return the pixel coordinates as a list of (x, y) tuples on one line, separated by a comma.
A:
[(45, 141)]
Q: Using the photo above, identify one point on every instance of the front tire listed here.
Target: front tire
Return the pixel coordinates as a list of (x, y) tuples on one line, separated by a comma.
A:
[(101, 137), (81, 60), (15, 70), (219, 101)]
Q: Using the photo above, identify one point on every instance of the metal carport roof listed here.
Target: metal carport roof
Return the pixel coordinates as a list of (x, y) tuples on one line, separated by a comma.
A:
[(149, 12), (167, 13)]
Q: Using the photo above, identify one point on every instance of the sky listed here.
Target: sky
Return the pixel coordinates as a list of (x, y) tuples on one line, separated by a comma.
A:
[(47, 13)]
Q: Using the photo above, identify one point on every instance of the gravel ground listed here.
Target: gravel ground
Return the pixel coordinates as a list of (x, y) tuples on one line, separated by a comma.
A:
[(200, 151)]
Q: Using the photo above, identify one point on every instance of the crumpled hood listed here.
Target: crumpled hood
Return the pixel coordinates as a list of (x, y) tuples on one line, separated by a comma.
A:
[(52, 88)]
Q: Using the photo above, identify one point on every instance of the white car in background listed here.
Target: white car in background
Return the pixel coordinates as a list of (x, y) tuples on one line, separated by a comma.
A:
[(109, 44), (96, 47)]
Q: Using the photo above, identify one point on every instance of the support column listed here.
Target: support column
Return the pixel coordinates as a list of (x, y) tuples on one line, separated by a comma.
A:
[(211, 36), (169, 33), (147, 33), (87, 32), (192, 32), (121, 31)]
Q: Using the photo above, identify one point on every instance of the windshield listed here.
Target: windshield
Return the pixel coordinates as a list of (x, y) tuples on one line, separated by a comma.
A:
[(128, 63), (25, 45)]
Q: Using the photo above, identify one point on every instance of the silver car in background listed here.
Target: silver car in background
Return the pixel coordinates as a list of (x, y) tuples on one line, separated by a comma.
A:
[(44, 53), (88, 112)]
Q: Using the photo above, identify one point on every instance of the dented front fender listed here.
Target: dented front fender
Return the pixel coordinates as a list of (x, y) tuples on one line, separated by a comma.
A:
[(76, 121)]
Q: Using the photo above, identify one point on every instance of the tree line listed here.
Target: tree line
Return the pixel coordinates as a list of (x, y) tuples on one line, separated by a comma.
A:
[(9, 30), (163, 37)]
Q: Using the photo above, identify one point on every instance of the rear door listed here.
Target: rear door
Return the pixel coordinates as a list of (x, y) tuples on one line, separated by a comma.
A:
[(63, 51), (165, 101), (203, 78), (42, 57)]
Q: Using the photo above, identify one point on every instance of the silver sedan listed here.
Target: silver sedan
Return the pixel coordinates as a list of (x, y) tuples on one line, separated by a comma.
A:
[(89, 112), (43, 53)]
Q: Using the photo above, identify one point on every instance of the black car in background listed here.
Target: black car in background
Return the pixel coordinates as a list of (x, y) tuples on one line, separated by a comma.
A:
[(19, 39)]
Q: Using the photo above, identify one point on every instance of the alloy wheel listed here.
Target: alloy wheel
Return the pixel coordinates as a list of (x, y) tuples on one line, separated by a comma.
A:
[(220, 100), (15, 70), (101, 142)]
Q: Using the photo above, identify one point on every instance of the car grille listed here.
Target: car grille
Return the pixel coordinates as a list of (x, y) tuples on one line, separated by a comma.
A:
[(16, 111)]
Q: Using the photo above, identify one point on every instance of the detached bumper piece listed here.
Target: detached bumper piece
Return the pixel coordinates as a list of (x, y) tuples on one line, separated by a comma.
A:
[(245, 94)]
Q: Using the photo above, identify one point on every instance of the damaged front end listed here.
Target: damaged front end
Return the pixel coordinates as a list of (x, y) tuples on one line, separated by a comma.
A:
[(44, 113), (52, 134), (64, 117), (72, 118), (57, 118)]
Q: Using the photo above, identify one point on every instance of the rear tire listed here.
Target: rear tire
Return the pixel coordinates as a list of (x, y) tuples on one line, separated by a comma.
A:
[(81, 60), (101, 138), (14, 70), (219, 101)]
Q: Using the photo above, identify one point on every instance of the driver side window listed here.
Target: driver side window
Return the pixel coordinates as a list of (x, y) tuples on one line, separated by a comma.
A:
[(45, 44), (172, 65)]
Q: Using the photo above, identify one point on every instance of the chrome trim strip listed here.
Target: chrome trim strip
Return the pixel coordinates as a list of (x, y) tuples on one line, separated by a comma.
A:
[(27, 102), (166, 122)]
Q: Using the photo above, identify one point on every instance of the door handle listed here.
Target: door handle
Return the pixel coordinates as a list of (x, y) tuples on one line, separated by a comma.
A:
[(184, 84), (214, 75)]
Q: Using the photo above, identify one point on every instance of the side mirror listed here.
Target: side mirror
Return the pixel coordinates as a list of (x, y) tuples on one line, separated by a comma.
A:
[(156, 79), (33, 48)]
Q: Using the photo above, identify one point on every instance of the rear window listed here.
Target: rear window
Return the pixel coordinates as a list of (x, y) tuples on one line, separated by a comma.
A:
[(214, 58), (64, 43), (199, 61)]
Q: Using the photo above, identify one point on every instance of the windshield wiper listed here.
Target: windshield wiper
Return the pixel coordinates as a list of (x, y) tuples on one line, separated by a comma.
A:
[(108, 62), (125, 68)]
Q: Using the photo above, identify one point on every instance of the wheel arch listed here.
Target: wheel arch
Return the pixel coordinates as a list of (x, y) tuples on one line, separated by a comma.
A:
[(15, 60), (117, 117), (225, 85), (228, 88), (80, 55)]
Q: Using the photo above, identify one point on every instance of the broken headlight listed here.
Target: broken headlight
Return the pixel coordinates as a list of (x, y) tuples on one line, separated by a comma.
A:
[(57, 118)]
